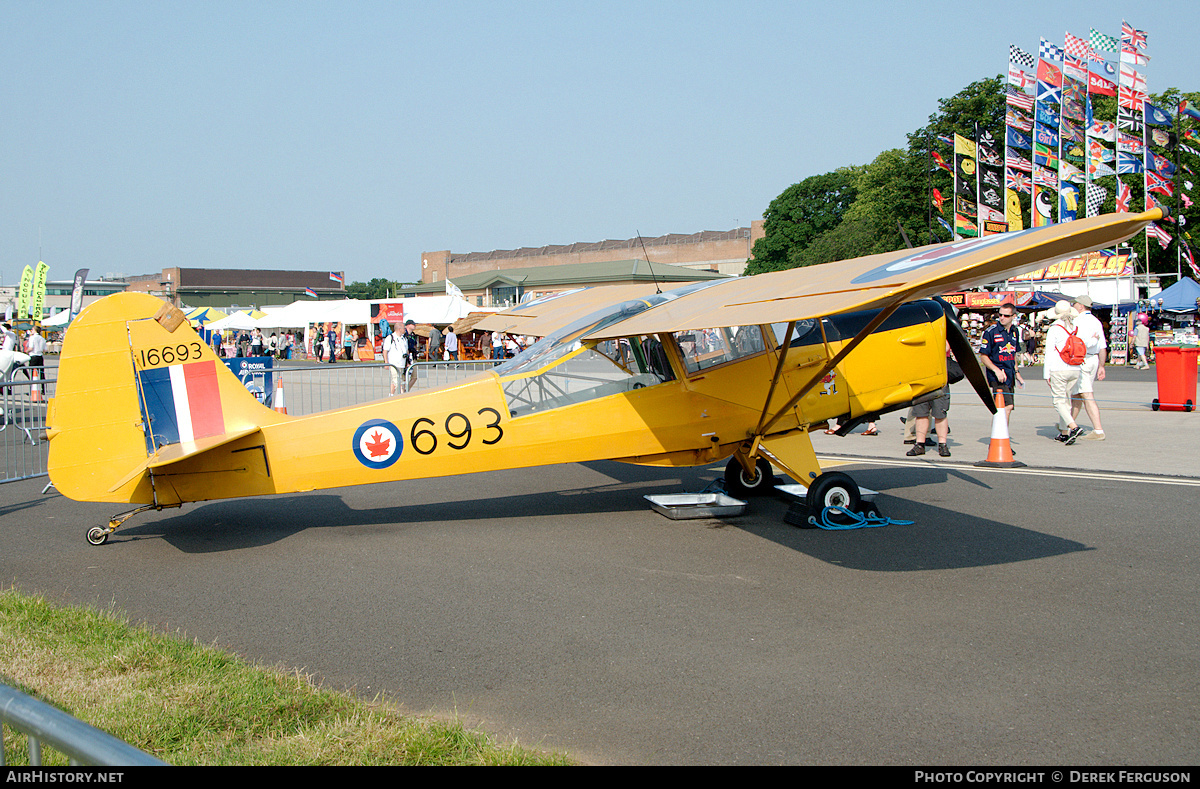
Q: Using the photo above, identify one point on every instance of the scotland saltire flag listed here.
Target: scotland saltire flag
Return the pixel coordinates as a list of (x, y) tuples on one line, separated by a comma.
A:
[(181, 403)]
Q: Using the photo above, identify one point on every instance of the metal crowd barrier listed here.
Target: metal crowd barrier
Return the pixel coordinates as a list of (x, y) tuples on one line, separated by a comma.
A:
[(82, 743), (305, 390), (309, 390), (23, 421), (431, 375)]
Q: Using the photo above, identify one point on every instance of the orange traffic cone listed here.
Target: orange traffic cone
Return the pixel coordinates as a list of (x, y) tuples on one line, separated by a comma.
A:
[(35, 389), (277, 400), (1000, 454)]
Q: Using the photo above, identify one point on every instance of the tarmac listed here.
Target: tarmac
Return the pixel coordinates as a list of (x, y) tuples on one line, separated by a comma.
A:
[(1138, 439)]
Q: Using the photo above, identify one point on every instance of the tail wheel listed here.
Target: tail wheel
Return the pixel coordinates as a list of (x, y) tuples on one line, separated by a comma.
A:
[(833, 489), (739, 484)]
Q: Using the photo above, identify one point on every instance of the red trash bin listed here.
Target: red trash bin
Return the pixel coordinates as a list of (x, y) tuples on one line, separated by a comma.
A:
[(1176, 378)]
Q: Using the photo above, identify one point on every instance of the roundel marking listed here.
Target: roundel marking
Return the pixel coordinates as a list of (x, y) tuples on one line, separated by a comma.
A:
[(377, 443), (938, 254)]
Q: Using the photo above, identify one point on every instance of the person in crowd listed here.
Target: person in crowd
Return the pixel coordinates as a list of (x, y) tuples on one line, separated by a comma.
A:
[(936, 410), (434, 346), (395, 355), (1091, 331), (1141, 341), (1059, 375), (35, 346), (1001, 344)]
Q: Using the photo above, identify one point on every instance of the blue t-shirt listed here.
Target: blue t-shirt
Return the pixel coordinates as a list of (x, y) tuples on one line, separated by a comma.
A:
[(1001, 347)]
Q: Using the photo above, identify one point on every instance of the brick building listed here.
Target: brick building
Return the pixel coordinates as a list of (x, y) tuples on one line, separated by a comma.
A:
[(725, 252), (238, 288)]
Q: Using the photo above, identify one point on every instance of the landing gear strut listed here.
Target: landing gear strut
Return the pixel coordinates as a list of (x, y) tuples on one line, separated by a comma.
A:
[(98, 535), (740, 484)]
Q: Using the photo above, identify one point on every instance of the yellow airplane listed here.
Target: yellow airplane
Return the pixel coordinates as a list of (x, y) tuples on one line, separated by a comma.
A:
[(740, 368)]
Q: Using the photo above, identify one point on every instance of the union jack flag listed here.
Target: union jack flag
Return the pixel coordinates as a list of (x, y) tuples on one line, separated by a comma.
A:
[(1130, 99), (1187, 251), (1124, 196), (1075, 68), (1135, 37), (1018, 181)]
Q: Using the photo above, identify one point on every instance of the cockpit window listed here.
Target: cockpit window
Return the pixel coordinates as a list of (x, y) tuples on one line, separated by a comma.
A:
[(709, 347)]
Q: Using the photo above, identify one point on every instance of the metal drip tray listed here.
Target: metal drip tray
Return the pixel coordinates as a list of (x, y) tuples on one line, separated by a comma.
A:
[(683, 506), (799, 492)]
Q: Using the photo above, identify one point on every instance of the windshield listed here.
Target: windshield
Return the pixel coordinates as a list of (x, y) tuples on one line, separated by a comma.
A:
[(566, 340)]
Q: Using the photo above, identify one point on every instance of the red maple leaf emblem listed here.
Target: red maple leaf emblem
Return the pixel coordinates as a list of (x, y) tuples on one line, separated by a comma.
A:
[(378, 445)]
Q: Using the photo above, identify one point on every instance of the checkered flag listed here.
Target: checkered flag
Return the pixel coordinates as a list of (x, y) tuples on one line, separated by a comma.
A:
[(1101, 42), (1050, 51), (1019, 56), (1095, 199)]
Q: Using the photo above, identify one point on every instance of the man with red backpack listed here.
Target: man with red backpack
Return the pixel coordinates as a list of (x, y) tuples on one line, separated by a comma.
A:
[(1065, 354), (1091, 331)]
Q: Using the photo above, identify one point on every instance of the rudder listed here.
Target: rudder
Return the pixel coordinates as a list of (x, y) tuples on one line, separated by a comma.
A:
[(134, 379)]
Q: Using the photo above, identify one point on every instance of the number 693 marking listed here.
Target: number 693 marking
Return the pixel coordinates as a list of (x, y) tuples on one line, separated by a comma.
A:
[(458, 430)]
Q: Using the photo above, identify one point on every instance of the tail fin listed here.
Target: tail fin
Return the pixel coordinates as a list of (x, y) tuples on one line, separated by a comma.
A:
[(137, 390)]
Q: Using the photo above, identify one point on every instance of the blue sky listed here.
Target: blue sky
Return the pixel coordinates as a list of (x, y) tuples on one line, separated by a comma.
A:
[(353, 136)]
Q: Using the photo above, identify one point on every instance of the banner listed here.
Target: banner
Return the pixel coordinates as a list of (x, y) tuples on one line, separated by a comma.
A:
[(1093, 264), (37, 297), (24, 293), (77, 292)]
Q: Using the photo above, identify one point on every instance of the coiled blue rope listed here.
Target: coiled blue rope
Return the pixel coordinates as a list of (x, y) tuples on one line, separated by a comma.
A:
[(857, 520)]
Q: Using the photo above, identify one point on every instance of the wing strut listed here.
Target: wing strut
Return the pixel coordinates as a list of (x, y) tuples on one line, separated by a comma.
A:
[(883, 315), (783, 349)]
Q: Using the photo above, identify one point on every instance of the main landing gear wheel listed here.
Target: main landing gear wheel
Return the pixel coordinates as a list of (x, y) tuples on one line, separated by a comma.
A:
[(739, 484), (832, 489)]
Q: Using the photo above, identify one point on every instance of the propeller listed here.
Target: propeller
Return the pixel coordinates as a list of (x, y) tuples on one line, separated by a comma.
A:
[(960, 345)]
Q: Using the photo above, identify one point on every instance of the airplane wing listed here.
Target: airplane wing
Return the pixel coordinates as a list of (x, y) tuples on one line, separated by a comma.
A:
[(877, 281), (542, 316)]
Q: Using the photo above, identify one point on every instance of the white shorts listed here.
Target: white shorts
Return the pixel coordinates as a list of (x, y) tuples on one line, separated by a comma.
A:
[(1087, 375)]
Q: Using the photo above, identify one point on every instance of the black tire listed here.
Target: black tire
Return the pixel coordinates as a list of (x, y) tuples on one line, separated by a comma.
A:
[(740, 485), (1188, 406), (832, 489), (1154, 404), (97, 535)]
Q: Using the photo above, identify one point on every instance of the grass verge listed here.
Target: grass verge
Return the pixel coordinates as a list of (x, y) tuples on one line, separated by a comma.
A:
[(190, 704)]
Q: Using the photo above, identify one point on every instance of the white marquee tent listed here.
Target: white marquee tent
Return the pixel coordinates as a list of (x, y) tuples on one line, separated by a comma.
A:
[(440, 310)]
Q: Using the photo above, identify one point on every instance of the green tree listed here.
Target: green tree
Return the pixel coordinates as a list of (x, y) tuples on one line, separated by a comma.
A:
[(377, 288), (801, 213), (890, 194)]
